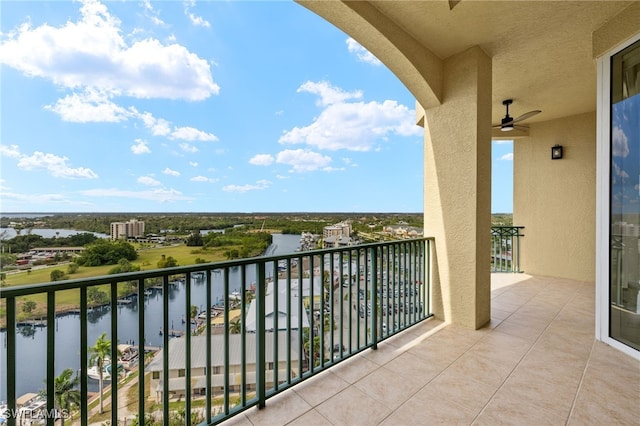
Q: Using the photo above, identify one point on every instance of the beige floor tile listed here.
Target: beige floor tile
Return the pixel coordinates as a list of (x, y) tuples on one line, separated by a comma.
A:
[(499, 313), (239, 420), (383, 354), (592, 411), (354, 368), (482, 369), (508, 410), (456, 386), (310, 418), (353, 407), (425, 408), (279, 409), (521, 328), (320, 388), (388, 387), (414, 366), (552, 388)]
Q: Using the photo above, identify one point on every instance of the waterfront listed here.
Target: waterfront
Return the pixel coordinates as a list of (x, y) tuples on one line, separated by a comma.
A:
[(8, 233), (31, 342)]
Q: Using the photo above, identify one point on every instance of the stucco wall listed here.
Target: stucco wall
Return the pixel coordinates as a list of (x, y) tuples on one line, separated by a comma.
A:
[(555, 199)]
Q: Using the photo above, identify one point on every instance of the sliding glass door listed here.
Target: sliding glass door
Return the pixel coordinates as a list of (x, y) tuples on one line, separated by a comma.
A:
[(624, 193)]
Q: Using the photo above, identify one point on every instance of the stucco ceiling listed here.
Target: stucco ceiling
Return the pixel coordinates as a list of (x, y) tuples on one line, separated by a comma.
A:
[(541, 51)]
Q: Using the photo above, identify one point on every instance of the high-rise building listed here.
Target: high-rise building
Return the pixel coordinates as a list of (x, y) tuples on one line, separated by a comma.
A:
[(123, 230)]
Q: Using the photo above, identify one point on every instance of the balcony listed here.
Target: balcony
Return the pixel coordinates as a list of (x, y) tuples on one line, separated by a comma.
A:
[(276, 322), (536, 363)]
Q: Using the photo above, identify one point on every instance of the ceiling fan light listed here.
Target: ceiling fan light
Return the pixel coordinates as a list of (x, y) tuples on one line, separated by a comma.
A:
[(507, 127)]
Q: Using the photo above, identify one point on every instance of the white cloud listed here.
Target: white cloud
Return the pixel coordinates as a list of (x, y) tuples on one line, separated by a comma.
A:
[(203, 179), (92, 52), (328, 94), (619, 143), (158, 126), (89, 105), (302, 160), (193, 163), (140, 147), (507, 157), (160, 194), (197, 21), (162, 127), (262, 160), (170, 172), (55, 165), (149, 181), (192, 134), (10, 151), (355, 126), (188, 148), (261, 184), (361, 53)]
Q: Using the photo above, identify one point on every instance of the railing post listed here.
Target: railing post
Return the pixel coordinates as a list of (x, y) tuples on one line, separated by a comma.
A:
[(84, 349), (51, 349), (374, 297), (11, 359), (260, 334)]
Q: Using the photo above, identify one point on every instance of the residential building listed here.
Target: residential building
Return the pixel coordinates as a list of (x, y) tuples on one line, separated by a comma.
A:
[(177, 357), (124, 230), (281, 311), (337, 230)]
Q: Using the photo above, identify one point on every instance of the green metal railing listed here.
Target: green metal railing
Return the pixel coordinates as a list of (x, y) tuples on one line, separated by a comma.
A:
[(505, 248), (299, 314)]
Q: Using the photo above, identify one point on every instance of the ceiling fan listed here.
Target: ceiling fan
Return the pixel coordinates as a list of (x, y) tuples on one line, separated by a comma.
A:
[(509, 123)]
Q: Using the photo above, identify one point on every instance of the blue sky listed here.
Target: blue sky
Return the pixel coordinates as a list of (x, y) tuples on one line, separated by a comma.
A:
[(183, 106)]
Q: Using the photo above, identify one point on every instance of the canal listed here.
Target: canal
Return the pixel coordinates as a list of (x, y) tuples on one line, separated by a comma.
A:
[(31, 342)]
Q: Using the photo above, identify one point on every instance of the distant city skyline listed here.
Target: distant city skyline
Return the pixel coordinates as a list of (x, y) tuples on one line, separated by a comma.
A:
[(204, 107)]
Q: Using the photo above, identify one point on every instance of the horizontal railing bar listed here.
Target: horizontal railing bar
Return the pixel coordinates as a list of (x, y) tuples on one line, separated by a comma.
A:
[(24, 290)]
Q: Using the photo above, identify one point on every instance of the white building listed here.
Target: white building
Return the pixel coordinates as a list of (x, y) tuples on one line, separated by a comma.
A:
[(123, 230), (177, 364)]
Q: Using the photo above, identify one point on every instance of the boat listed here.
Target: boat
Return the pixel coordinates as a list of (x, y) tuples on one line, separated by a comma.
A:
[(128, 356), (94, 373)]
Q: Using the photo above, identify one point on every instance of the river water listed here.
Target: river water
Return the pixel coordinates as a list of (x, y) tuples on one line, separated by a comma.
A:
[(31, 343)]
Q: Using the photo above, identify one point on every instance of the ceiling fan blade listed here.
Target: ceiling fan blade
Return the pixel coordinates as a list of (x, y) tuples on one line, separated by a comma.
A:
[(526, 115)]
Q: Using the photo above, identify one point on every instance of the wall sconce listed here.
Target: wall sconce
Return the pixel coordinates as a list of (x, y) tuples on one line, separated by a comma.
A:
[(556, 152)]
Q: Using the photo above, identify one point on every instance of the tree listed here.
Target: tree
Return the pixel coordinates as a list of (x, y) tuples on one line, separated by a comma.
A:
[(124, 266), (95, 296), (235, 326), (105, 252), (167, 262), (100, 353), (72, 268), (194, 311), (28, 306), (195, 240), (66, 392), (57, 275)]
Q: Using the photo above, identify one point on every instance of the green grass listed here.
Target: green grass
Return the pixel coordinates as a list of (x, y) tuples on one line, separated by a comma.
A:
[(69, 299)]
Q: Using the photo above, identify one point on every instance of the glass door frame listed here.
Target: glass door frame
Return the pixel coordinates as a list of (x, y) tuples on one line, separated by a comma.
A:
[(603, 219)]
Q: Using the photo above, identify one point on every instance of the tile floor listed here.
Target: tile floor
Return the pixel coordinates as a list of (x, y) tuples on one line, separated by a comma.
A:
[(537, 363)]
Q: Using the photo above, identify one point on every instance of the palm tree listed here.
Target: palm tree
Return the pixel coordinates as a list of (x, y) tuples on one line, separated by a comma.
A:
[(66, 392), (100, 352), (235, 326)]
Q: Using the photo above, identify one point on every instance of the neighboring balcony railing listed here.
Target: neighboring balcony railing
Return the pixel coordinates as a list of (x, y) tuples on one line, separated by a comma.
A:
[(505, 248), (248, 329)]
